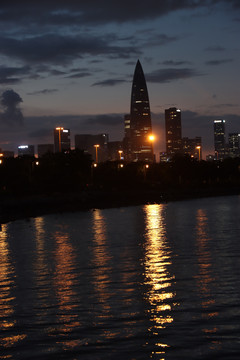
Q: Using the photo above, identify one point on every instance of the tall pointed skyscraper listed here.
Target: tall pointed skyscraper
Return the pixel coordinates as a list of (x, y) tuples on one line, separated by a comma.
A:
[(139, 143)]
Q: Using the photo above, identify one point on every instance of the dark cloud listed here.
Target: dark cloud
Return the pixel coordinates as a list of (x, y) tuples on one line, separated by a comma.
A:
[(174, 63), (57, 72), (11, 113), (159, 40), (44, 91), (105, 120), (41, 133), (215, 48), (227, 105), (61, 49), (79, 75), (12, 75), (218, 62), (87, 12), (109, 82), (171, 74)]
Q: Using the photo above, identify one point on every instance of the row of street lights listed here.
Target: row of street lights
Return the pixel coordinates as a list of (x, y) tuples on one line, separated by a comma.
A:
[(97, 146)]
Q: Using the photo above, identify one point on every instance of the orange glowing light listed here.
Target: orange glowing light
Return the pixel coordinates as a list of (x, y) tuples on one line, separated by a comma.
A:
[(96, 147)]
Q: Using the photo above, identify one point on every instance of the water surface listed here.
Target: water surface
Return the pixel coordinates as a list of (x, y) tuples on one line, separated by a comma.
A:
[(147, 282)]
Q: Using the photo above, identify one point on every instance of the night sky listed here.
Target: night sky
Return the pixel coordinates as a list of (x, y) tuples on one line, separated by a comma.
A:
[(71, 63)]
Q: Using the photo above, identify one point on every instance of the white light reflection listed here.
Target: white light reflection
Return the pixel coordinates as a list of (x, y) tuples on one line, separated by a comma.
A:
[(158, 279)]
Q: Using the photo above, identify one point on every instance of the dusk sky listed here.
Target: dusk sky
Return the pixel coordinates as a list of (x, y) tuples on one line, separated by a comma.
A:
[(71, 63)]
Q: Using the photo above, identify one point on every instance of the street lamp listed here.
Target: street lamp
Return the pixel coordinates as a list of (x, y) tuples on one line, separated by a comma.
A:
[(96, 147), (59, 138), (199, 152), (120, 154), (151, 139)]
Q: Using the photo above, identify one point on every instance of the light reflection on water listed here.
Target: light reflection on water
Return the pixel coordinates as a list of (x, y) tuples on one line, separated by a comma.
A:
[(100, 260), (153, 282), (158, 278), (205, 278)]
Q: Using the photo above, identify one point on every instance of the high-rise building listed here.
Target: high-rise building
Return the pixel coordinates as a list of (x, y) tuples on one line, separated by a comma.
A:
[(219, 139), (139, 146), (95, 145), (173, 131), (127, 138), (192, 147), (44, 149), (25, 150), (234, 144), (61, 139)]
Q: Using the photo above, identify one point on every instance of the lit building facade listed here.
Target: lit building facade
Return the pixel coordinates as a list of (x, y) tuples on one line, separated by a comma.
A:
[(138, 126), (127, 138), (25, 150), (219, 139), (173, 131), (192, 147), (163, 157), (234, 144), (62, 140)]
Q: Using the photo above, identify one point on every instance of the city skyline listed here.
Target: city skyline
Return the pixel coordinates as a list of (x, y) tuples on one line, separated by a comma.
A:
[(71, 65)]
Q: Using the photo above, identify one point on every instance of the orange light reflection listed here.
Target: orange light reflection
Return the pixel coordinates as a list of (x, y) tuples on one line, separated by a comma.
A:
[(64, 283), (101, 259), (158, 278), (7, 276)]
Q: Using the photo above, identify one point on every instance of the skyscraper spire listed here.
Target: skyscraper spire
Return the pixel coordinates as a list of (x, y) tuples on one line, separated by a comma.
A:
[(140, 118)]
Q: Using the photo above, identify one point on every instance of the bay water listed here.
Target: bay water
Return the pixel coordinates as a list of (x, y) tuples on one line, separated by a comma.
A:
[(158, 281)]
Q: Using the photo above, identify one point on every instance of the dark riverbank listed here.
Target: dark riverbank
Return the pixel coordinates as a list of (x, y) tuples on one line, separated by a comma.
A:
[(68, 182), (20, 207)]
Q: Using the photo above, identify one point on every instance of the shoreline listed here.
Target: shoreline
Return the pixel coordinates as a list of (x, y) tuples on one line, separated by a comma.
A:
[(29, 206)]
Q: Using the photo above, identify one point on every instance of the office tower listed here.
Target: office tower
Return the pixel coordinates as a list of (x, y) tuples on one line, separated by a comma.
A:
[(192, 147), (219, 139), (139, 145), (95, 145), (44, 149), (61, 139), (25, 150), (234, 144), (173, 131)]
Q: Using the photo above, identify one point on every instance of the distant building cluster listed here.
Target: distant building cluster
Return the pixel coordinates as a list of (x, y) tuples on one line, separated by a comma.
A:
[(137, 144), (223, 148)]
